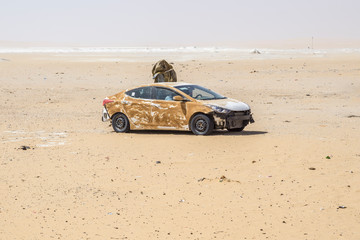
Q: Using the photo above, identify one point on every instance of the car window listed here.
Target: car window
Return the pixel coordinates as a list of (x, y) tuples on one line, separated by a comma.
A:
[(199, 92), (143, 92), (165, 94)]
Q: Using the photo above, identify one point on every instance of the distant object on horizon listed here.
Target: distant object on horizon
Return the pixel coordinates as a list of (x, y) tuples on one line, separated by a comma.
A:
[(312, 44), (255, 51)]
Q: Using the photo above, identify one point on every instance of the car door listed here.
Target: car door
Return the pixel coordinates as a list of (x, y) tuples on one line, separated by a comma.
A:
[(137, 106), (167, 113)]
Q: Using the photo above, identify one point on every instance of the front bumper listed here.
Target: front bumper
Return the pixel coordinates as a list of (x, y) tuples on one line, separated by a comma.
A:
[(105, 115), (239, 121), (232, 120)]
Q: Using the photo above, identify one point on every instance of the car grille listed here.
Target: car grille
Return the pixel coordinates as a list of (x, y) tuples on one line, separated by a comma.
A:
[(240, 113)]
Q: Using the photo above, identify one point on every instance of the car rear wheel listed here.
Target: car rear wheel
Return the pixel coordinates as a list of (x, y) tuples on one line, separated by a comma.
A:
[(201, 124), (120, 123)]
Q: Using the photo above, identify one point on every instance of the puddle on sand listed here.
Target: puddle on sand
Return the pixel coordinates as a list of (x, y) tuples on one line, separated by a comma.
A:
[(41, 138)]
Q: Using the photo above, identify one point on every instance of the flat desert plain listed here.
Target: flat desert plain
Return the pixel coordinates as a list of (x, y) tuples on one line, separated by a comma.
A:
[(293, 174)]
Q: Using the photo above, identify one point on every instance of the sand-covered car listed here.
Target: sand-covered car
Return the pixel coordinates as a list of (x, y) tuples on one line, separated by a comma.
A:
[(175, 106)]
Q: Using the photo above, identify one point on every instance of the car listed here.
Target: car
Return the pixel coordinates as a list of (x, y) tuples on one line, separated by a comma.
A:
[(174, 106)]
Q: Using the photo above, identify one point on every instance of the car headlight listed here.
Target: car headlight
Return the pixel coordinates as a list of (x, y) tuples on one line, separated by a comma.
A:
[(218, 109)]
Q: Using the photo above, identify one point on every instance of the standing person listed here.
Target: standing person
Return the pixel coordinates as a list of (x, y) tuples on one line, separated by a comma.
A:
[(163, 72)]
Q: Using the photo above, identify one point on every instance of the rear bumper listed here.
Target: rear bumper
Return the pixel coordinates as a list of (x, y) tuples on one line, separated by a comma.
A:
[(105, 115)]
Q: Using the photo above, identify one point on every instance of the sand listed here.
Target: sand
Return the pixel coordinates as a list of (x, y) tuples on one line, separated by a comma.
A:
[(293, 174)]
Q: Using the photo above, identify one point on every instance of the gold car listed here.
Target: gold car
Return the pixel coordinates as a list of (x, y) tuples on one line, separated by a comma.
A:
[(175, 106)]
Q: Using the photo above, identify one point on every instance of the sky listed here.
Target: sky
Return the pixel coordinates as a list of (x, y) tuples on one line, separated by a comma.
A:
[(181, 22)]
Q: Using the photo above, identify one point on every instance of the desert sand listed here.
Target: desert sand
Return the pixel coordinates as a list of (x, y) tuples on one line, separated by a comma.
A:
[(293, 174)]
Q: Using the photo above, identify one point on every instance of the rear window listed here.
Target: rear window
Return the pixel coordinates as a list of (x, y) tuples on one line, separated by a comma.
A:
[(143, 92)]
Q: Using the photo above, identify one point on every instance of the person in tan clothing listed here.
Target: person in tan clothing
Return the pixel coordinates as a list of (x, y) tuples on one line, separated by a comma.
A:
[(163, 72)]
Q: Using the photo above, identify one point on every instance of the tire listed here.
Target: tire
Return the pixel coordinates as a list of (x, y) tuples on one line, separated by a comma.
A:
[(120, 123), (201, 124), (235, 129)]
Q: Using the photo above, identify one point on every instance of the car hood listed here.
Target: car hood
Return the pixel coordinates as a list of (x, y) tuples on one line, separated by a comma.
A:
[(228, 103)]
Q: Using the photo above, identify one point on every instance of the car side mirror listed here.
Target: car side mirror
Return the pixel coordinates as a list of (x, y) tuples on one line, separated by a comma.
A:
[(178, 98)]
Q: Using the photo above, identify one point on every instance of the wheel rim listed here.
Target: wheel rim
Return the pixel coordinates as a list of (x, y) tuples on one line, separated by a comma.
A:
[(120, 123), (201, 125)]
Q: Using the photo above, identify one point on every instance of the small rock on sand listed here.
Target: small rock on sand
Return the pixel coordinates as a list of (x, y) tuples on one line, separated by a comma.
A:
[(24, 147)]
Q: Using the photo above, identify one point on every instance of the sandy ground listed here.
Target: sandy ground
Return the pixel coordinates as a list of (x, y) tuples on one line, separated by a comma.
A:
[(286, 175)]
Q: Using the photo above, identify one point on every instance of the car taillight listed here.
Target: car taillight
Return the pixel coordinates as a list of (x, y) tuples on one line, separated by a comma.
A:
[(106, 100)]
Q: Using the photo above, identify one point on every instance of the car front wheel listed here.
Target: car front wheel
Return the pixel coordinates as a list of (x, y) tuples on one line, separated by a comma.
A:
[(201, 124), (120, 123)]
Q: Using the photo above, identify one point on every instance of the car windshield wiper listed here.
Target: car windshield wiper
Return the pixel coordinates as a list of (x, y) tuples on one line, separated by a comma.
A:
[(212, 98), (206, 99)]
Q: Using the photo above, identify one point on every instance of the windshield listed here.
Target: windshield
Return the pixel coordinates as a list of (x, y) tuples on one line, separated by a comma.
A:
[(199, 93)]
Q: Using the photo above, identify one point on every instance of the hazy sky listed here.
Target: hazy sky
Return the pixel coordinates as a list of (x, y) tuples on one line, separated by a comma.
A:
[(145, 22)]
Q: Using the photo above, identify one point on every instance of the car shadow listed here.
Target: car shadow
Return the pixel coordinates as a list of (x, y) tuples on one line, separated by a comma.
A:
[(160, 132), (239, 133), (189, 133)]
